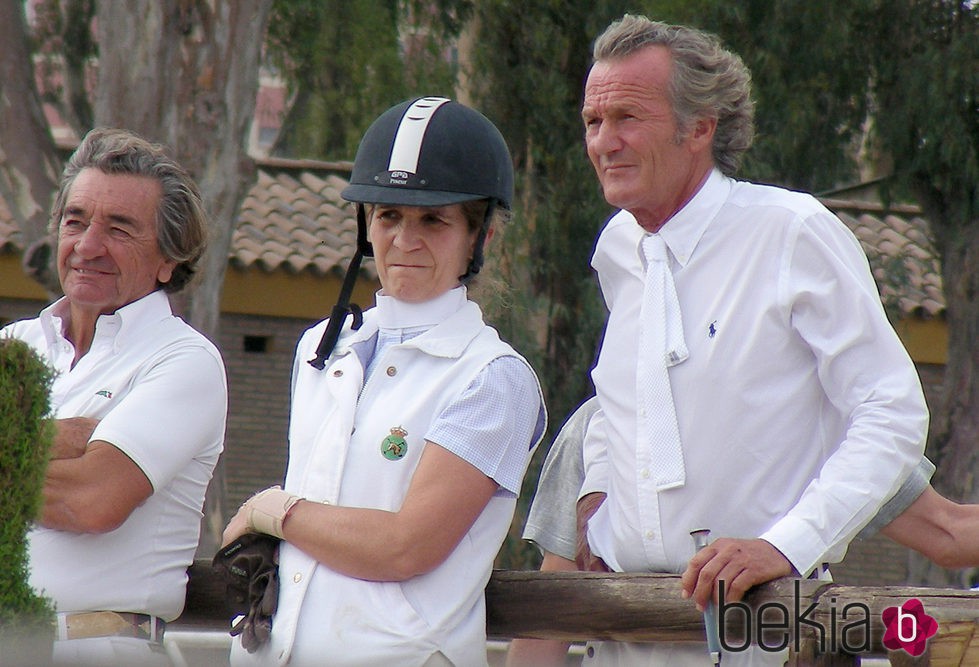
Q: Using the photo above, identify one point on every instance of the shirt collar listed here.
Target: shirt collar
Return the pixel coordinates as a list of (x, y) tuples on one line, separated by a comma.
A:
[(459, 321), (393, 314), (124, 323), (683, 231)]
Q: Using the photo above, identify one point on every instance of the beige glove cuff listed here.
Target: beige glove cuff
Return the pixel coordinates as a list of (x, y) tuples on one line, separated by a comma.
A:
[(266, 510)]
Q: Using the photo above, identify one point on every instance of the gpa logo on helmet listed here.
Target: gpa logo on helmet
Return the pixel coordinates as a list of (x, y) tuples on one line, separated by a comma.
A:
[(399, 177)]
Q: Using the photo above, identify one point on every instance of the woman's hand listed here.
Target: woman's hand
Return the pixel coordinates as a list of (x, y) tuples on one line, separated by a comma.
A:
[(237, 527), (265, 512)]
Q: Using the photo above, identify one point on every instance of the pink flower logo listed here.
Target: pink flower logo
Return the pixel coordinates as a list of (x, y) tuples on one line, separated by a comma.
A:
[(908, 627)]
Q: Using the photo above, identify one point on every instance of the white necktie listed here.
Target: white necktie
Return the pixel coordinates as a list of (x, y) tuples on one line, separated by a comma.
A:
[(661, 345)]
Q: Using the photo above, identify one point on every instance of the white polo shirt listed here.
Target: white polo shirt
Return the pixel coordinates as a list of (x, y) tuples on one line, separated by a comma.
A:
[(159, 389)]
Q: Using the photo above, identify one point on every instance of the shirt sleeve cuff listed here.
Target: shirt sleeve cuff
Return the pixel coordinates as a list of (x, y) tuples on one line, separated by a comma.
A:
[(798, 543), (595, 458), (596, 480)]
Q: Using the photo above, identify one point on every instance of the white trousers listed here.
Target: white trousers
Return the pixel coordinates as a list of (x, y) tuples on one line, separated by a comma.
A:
[(110, 652)]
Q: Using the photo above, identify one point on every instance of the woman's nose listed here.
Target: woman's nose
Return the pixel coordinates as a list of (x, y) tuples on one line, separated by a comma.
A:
[(406, 236)]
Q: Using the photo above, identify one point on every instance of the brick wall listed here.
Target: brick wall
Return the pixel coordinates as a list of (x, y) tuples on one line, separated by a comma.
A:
[(258, 353)]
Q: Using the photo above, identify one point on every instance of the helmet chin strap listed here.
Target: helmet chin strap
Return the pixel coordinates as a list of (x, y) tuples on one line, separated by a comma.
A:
[(343, 306), (476, 263)]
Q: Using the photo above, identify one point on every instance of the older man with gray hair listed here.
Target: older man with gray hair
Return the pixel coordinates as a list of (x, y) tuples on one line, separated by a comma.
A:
[(749, 381), (139, 403)]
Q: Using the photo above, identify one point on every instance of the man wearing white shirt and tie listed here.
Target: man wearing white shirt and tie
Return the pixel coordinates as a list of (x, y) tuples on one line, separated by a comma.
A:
[(798, 412)]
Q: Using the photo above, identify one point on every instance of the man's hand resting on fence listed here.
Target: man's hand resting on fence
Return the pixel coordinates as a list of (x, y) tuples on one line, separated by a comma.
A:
[(739, 563)]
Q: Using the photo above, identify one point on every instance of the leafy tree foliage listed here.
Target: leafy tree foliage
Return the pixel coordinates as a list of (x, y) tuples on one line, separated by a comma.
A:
[(809, 86), (532, 58), (528, 67), (346, 62)]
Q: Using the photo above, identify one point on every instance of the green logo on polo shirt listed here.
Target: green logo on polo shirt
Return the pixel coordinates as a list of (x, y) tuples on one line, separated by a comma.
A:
[(394, 447)]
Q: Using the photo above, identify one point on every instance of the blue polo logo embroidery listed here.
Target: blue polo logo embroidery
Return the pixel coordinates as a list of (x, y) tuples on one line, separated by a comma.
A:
[(394, 447), (105, 393), (712, 330)]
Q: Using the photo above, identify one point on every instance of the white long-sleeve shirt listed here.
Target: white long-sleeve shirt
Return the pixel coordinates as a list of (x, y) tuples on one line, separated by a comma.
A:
[(799, 410)]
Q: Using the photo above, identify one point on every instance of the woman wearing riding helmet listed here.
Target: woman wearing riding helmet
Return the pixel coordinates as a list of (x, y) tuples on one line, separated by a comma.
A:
[(411, 428)]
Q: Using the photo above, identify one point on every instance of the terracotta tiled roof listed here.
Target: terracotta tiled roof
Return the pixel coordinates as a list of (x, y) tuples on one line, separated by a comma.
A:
[(293, 219), (296, 221), (898, 243)]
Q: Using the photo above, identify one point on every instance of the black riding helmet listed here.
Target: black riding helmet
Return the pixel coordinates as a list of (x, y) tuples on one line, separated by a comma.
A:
[(429, 151)]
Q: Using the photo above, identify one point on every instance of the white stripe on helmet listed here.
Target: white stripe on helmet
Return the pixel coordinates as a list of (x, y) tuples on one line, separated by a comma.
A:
[(408, 139)]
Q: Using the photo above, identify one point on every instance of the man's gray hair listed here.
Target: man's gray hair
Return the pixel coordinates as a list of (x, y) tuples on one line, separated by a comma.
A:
[(181, 223), (708, 80)]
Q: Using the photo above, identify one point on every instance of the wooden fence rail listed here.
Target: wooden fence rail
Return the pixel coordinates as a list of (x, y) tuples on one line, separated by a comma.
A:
[(821, 623)]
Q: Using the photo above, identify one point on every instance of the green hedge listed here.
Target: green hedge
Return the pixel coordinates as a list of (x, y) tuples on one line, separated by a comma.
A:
[(25, 443)]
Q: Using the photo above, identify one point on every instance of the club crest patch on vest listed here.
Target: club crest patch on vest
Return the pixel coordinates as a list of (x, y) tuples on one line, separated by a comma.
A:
[(394, 447)]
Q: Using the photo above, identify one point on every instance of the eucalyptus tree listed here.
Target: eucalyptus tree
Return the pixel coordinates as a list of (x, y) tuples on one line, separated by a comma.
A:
[(181, 73)]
